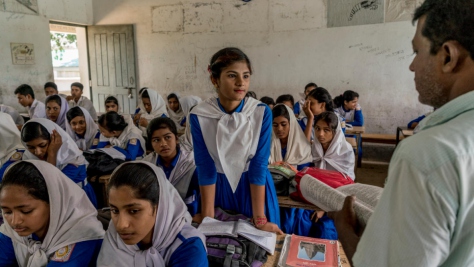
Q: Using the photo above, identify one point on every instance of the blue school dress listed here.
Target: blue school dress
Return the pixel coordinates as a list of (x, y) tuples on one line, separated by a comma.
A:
[(78, 174), (134, 149), (80, 254), (16, 157), (258, 173)]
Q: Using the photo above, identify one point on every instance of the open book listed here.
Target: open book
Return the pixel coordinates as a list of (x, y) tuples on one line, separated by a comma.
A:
[(330, 199), (265, 240)]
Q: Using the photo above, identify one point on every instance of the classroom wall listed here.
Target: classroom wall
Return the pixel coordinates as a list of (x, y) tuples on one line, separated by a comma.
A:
[(28, 27)]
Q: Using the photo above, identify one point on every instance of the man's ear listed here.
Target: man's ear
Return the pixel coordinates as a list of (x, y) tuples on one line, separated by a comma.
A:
[(452, 55)]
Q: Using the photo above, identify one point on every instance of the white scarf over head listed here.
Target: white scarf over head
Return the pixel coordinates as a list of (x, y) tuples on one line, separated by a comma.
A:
[(91, 131), (158, 105), (177, 116), (69, 153), (10, 139), (61, 120), (172, 216), (73, 219), (130, 132), (339, 155), (298, 149), (17, 118), (186, 104), (233, 137)]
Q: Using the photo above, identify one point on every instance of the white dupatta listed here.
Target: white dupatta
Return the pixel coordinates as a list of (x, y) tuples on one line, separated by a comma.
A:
[(61, 120), (172, 218), (339, 156), (158, 108), (234, 136), (130, 132), (177, 116), (186, 104), (91, 131), (298, 149), (73, 219), (10, 139)]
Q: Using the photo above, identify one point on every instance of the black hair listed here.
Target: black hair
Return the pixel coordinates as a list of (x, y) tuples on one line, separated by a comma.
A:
[(140, 177), (112, 99), (310, 85), (447, 20), (330, 118), (52, 85), (267, 100), (322, 96), (347, 96), (226, 57), (25, 90), (74, 112), (283, 98), (251, 94), (160, 123), (54, 98), (280, 110), (141, 90), (145, 94), (78, 85), (112, 121), (172, 95), (26, 175), (33, 130)]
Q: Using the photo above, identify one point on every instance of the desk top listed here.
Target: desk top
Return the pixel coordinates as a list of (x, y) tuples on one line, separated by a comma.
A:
[(287, 202), (355, 130), (352, 141), (407, 132)]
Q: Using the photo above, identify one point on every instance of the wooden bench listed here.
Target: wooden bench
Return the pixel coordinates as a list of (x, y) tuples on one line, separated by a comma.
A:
[(390, 139)]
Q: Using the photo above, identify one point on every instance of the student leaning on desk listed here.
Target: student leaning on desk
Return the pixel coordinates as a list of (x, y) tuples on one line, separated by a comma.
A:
[(425, 216)]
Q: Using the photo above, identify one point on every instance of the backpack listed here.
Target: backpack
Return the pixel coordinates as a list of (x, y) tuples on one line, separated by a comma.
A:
[(283, 175), (100, 163), (228, 251)]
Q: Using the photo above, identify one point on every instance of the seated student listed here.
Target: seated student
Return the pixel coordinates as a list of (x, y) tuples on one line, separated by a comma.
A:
[(151, 106), (348, 108), (318, 101), (82, 128), (56, 109), (17, 118), (187, 103), (412, 124), (112, 104), (76, 99), (150, 223), (330, 150), (26, 98), (174, 110), (287, 100), (124, 137), (51, 88), (45, 140), (268, 100), (11, 149), (299, 105), (48, 222), (176, 161)]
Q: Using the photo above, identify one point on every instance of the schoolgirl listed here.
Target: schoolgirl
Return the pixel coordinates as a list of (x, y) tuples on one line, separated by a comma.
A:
[(45, 140), (151, 106), (122, 136), (318, 101), (347, 107), (177, 162), (150, 223), (82, 128), (112, 104), (48, 222), (11, 149), (56, 109), (232, 137), (175, 110), (17, 118), (299, 105), (187, 103)]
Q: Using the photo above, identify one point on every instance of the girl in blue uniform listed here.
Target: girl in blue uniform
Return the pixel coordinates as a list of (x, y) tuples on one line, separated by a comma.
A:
[(56, 109), (48, 222), (82, 128), (151, 106), (124, 137), (176, 162), (175, 110), (45, 140), (347, 107), (299, 105), (11, 149), (318, 101), (232, 137), (150, 223)]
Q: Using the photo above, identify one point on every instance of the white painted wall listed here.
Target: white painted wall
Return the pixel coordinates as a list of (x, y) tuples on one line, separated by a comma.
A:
[(288, 43), (34, 29)]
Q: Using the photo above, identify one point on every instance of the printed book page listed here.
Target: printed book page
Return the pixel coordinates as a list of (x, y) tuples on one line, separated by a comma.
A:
[(114, 153), (210, 226), (265, 240)]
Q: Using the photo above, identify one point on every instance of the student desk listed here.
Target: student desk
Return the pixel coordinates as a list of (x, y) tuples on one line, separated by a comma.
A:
[(273, 259), (103, 181), (405, 133), (357, 131), (287, 202)]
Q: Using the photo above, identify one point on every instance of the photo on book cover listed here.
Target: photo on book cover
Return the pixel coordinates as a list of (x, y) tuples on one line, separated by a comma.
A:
[(311, 251)]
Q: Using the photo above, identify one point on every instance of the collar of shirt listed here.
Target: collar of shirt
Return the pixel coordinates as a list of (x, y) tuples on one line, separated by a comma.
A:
[(167, 170), (238, 109)]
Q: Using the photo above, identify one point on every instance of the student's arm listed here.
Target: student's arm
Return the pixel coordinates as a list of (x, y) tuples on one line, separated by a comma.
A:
[(297, 109), (54, 146), (133, 149), (358, 118), (207, 173), (72, 172), (193, 192), (79, 254), (7, 253), (302, 166), (194, 251), (309, 122), (412, 124), (103, 144)]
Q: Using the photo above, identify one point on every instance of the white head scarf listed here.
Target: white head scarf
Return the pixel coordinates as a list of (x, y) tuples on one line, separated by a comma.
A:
[(340, 155), (177, 116), (61, 120), (91, 131), (69, 153), (10, 139), (73, 219), (186, 104), (158, 105), (298, 149), (17, 118), (172, 217), (233, 137)]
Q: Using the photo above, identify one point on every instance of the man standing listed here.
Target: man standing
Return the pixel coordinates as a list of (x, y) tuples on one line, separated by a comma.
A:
[(26, 98), (425, 216), (76, 99)]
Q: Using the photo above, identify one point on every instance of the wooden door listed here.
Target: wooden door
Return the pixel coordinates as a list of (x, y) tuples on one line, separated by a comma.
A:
[(112, 66)]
